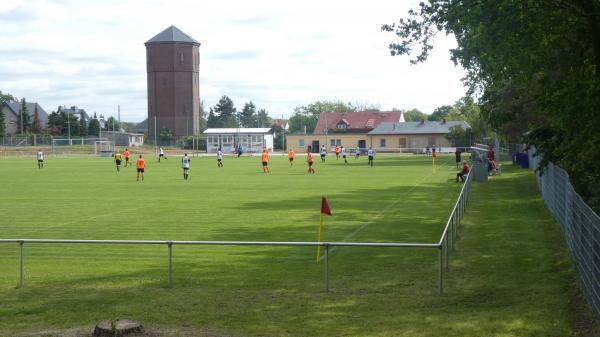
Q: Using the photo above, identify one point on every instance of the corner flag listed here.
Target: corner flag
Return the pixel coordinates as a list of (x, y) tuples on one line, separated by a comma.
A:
[(324, 210)]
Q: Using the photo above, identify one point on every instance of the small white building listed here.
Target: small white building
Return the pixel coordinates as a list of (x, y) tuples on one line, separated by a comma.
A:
[(123, 138), (252, 140)]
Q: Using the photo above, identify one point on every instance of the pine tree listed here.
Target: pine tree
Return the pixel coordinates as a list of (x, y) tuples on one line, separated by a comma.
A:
[(94, 126), (247, 116), (24, 118)]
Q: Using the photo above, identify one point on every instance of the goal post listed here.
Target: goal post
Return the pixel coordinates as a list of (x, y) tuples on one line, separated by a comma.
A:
[(103, 148)]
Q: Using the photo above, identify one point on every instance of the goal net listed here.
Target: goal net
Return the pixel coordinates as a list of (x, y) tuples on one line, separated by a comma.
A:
[(103, 148), (79, 146)]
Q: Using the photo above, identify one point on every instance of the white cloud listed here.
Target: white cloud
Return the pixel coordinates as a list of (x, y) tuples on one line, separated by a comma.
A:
[(278, 54)]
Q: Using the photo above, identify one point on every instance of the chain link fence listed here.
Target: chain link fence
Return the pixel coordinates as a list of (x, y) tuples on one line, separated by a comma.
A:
[(579, 223)]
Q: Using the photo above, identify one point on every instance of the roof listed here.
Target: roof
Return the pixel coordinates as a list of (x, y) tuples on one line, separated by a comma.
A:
[(141, 127), (413, 128), (15, 108), (170, 35), (363, 120), (236, 130), (75, 111)]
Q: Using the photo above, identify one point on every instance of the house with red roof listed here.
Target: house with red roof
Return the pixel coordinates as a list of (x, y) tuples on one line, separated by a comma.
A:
[(349, 129)]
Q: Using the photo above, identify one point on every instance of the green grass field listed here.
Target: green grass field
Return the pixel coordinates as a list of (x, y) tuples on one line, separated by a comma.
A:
[(510, 275)]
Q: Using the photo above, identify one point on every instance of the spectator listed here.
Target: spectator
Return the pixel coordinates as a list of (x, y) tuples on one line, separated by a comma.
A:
[(465, 170)]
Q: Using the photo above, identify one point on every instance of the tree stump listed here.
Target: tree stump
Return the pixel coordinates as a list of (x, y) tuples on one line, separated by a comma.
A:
[(118, 328)]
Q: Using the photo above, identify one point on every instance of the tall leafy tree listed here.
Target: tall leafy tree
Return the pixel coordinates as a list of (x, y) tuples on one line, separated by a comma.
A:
[(247, 116), (112, 124), (212, 120), (24, 122), (94, 126), (225, 113), (262, 119), (440, 113), (37, 125), (535, 66), (83, 126), (414, 115)]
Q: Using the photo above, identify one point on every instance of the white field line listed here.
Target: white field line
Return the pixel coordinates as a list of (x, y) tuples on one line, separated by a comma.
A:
[(384, 210)]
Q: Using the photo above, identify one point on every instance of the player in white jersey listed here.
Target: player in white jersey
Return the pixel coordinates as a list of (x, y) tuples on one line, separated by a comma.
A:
[(323, 153), (371, 154), (219, 158), (40, 158), (161, 154), (344, 154), (185, 164)]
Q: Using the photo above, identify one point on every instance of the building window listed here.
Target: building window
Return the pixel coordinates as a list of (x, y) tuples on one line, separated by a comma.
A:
[(341, 126), (382, 142), (301, 142), (335, 142)]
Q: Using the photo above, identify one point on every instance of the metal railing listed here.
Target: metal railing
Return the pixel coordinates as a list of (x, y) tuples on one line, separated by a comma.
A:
[(579, 223), (447, 239)]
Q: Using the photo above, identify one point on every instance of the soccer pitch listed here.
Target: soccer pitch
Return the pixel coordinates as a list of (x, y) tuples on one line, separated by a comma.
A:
[(228, 290)]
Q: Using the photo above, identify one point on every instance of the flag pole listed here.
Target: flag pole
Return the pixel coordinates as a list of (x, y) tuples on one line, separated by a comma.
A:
[(320, 237)]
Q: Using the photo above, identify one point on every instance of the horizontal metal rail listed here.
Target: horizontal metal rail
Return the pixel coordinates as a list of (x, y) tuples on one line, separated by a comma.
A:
[(450, 232)]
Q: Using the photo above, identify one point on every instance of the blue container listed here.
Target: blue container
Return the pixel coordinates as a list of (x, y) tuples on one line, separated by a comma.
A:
[(524, 161)]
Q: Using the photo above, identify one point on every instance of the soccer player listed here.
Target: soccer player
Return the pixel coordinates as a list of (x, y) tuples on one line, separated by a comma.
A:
[(323, 153), (40, 159), (140, 164), (127, 154), (118, 157), (161, 154), (356, 153), (337, 152), (291, 155), (310, 160), (185, 164), (219, 158), (344, 154), (371, 154), (265, 160)]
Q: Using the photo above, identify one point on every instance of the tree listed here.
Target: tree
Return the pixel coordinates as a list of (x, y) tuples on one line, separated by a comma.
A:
[(83, 126), (112, 124), (94, 126), (306, 116), (248, 116), (262, 119), (165, 135), (24, 118), (414, 115), (37, 127), (440, 113), (213, 120), (4, 98), (224, 113), (202, 119), (535, 66)]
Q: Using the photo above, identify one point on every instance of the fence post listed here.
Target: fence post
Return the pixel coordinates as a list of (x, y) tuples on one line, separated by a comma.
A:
[(447, 255), (326, 267), (21, 265), (441, 271), (170, 276)]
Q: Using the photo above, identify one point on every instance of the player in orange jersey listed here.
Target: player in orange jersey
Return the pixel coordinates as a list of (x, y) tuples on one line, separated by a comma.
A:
[(140, 164), (291, 155), (126, 154), (265, 160), (337, 152), (310, 160)]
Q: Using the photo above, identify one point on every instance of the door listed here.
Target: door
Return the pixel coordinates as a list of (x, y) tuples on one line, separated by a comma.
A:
[(315, 146), (362, 144)]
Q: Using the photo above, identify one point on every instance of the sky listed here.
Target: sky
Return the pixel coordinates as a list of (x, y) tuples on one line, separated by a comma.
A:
[(277, 54)]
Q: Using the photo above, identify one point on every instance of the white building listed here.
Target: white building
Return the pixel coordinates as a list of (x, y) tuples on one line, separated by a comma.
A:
[(252, 140)]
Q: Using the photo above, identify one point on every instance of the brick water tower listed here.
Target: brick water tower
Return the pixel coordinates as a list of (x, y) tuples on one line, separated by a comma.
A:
[(172, 63)]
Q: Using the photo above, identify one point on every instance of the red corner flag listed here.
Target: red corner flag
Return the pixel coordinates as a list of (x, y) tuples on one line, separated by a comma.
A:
[(324, 211), (325, 207)]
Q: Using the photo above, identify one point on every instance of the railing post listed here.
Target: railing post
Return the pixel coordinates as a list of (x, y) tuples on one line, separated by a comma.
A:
[(447, 255), (170, 276), (21, 265), (453, 232), (441, 271), (326, 267)]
